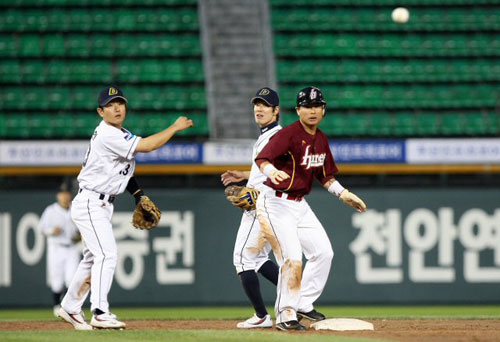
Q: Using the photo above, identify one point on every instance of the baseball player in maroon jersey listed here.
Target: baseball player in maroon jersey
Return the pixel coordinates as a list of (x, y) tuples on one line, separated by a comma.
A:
[(295, 156)]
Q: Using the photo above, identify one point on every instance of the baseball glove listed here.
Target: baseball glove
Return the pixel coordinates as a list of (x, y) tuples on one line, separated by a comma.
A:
[(146, 214), (242, 197)]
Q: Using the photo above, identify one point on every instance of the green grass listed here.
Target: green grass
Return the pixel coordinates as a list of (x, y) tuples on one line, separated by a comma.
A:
[(171, 313), (230, 313), (177, 336)]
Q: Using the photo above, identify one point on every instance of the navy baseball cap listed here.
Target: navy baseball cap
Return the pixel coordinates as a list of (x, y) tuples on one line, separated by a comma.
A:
[(267, 95), (108, 94)]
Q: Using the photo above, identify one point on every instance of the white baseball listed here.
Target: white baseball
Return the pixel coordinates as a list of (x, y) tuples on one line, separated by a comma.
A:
[(400, 15)]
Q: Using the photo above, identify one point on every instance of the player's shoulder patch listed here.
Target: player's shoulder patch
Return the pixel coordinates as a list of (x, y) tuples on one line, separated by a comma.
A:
[(127, 134)]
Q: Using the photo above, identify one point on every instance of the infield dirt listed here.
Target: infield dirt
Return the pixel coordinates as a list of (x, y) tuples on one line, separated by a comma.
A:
[(428, 330)]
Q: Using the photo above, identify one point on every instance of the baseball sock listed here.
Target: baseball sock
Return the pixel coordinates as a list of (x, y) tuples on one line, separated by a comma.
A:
[(250, 283), (56, 297), (270, 271)]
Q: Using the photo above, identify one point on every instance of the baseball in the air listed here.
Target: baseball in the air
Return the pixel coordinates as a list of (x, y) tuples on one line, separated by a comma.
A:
[(400, 15)]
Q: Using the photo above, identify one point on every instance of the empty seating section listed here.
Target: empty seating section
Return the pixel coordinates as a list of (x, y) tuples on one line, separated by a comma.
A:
[(99, 45), (437, 75), (379, 19), (387, 44), (80, 19), (55, 56), (390, 70)]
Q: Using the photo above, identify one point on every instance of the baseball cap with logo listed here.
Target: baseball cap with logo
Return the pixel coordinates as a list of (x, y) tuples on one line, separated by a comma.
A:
[(108, 94), (267, 95), (309, 96)]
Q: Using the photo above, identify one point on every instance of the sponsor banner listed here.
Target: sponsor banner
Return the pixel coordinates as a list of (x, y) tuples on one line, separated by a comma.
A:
[(453, 151), (368, 151), (411, 151), (173, 153), (42, 153), (228, 153)]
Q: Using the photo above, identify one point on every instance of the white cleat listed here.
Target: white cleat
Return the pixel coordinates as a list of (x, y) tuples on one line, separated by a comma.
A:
[(56, 310), (106, 320), (256, 322), (77, 320)]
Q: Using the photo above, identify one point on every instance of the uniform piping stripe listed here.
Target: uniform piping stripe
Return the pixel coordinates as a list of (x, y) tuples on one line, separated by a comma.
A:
[(133, 143), (293, 172), (102, 251), (281, 252), (246, 240)]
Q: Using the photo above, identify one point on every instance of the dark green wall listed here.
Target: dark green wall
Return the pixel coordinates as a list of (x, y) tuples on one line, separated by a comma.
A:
[(427, 246)]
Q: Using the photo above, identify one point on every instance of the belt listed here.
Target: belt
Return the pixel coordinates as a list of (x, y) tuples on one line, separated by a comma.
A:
[(288, 196), (102, 197)]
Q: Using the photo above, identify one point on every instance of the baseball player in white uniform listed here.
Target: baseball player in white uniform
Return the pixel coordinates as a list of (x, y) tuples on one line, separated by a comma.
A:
[(107, 171), (63, 249), (251, 252)]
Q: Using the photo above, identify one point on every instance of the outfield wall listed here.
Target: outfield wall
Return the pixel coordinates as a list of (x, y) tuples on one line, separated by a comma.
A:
[(412, 246)]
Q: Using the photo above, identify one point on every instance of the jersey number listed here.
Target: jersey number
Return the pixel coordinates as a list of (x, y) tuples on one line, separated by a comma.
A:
[(125, 170)]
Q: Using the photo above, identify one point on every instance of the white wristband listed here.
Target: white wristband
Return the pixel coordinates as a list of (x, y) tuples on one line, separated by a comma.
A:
[(268, 169), (336, 188)]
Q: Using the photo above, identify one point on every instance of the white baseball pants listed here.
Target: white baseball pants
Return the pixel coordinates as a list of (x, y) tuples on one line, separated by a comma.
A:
[(251, 250), (93, 218), (62, 262), (292, 229)]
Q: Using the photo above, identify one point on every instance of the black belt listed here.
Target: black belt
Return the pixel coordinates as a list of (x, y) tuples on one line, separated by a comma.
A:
[(110, 199)]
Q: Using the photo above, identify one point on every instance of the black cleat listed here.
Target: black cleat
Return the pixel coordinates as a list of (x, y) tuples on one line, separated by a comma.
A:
[(312, 315), (290, 325)]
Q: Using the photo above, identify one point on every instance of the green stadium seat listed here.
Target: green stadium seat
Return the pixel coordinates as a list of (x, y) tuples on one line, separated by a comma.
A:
[(84, 98), (8, 47), (78, 45), (404, 124), (10, 71), (33, 71), (475, 124), (451, 124), (29, 45), (427, 124), (380, 124), (40, 125), (54, 46), (57, 98), (17, 126)]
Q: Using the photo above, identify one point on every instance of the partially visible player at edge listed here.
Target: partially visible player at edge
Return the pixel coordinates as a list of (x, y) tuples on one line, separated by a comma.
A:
[(291, 160), (63, 248), (107, 171), (249, 256)]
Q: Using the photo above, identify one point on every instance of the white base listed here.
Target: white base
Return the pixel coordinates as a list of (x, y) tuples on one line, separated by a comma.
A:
[(342, 324)]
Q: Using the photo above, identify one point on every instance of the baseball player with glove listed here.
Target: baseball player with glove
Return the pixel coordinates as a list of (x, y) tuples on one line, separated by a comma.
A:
[(251, 251), (63, 249), (293, 158), (107, 171)]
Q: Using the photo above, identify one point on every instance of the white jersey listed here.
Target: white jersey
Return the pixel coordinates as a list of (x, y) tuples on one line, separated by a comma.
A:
[(109, 162), (257, 178), (56, 216)]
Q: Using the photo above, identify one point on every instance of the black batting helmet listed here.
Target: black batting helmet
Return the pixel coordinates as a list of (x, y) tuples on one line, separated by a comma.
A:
[(309, 96)]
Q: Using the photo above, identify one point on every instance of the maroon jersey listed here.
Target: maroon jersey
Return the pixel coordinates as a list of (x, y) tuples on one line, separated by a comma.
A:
[(302, 155)]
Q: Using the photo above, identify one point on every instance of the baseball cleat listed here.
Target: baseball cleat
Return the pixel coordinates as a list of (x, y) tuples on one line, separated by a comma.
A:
[(56, 310), (290, 325), (312, 315), (106, 320), (256, 322), (77, 320)]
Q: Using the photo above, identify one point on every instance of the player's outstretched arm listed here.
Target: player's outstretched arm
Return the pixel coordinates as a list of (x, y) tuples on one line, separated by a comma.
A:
[(333, 186), (157, 140), (276, 176), (234, 176)]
